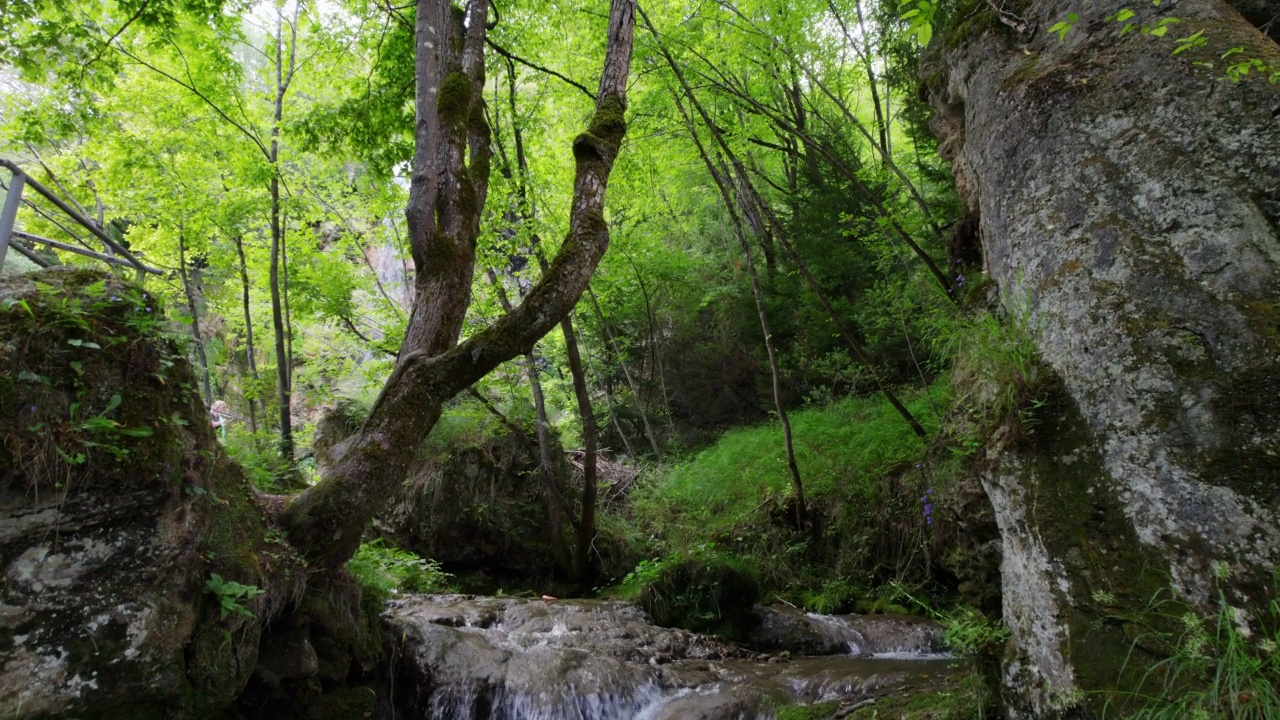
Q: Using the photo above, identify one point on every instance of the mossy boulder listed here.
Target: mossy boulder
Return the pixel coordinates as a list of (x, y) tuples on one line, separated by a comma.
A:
[(474, 500), (710, 595), (117, 507)]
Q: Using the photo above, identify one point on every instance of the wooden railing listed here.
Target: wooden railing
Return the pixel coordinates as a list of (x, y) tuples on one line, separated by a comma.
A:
[(116, 254)]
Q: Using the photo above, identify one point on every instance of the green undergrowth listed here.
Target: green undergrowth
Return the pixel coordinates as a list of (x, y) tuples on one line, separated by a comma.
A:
[(466, 422), (384, 571), (736, 497), (259, 456)]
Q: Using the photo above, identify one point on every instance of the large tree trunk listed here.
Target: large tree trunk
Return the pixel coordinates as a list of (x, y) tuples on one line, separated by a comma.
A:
[(1130, 212), (446, 199)]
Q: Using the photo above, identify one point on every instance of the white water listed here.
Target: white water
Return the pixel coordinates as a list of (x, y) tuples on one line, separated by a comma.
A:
[(504, 659)]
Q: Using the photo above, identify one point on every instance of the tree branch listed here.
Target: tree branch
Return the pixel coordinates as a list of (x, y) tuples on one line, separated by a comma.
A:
[(530, 64)]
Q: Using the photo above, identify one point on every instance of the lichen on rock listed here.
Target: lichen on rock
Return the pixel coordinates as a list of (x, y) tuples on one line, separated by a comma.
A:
[(116, 505), (1132, 222)]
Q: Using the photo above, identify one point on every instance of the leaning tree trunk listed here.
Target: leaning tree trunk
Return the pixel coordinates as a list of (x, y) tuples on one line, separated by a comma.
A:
[(446, 199), (1130, 213)]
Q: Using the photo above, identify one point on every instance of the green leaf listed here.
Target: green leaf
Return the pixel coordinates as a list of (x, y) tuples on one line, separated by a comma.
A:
[(1062, 27), (138, 432), (1124, 15), (112, 404), (97, 424), (1195, 40)]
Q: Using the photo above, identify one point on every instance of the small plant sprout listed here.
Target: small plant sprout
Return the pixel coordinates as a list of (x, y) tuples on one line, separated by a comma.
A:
[(230, 594), (1062, 27)]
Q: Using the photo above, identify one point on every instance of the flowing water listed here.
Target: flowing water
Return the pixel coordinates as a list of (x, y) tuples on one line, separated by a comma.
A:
[(469, 658)]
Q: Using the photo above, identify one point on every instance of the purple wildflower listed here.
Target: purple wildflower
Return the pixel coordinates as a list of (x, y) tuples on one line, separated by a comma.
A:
[(927, 501)]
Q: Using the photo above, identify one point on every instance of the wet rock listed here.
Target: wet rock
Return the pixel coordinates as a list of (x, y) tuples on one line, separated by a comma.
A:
[(784, 628), (287, 655), (480, 658)]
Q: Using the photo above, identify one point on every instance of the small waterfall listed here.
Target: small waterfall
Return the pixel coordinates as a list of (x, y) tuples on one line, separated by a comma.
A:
[(468, 658), (900, 637)]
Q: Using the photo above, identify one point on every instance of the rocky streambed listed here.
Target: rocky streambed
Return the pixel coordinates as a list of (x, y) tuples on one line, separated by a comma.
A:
[(457, 657)]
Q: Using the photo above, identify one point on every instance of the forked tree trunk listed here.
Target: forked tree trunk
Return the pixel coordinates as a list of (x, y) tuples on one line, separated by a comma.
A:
[(447, 195), (1130, 212)]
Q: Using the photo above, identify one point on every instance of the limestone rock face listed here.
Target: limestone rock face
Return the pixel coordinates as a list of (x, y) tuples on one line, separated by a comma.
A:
[(116, 505), (1130, 213)]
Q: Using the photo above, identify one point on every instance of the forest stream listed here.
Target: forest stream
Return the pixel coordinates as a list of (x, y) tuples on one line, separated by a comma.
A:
[(463, 657), (726, 313)]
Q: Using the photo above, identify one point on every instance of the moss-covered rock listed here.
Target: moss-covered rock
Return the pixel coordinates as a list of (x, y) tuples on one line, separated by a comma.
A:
[(475, 501), (118, 506), (702, 594)]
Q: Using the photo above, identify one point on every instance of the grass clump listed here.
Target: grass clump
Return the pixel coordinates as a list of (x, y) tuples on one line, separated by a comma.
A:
[(383, 571), (996, 368), (463, 423), (1218, 670)]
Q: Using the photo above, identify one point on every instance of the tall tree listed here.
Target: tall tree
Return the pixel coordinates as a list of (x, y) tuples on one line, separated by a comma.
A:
[(448, 190)]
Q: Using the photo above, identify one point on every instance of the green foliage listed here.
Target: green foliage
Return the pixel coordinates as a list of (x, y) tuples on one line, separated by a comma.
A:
[(968, 631), (464, 423), (258, 454), (384, 571), (1062, 27), (920, 19), (997, 371), (704, 589), (1217, 670), (835, 595), (965, 630), (736, 496), (231, 595)]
